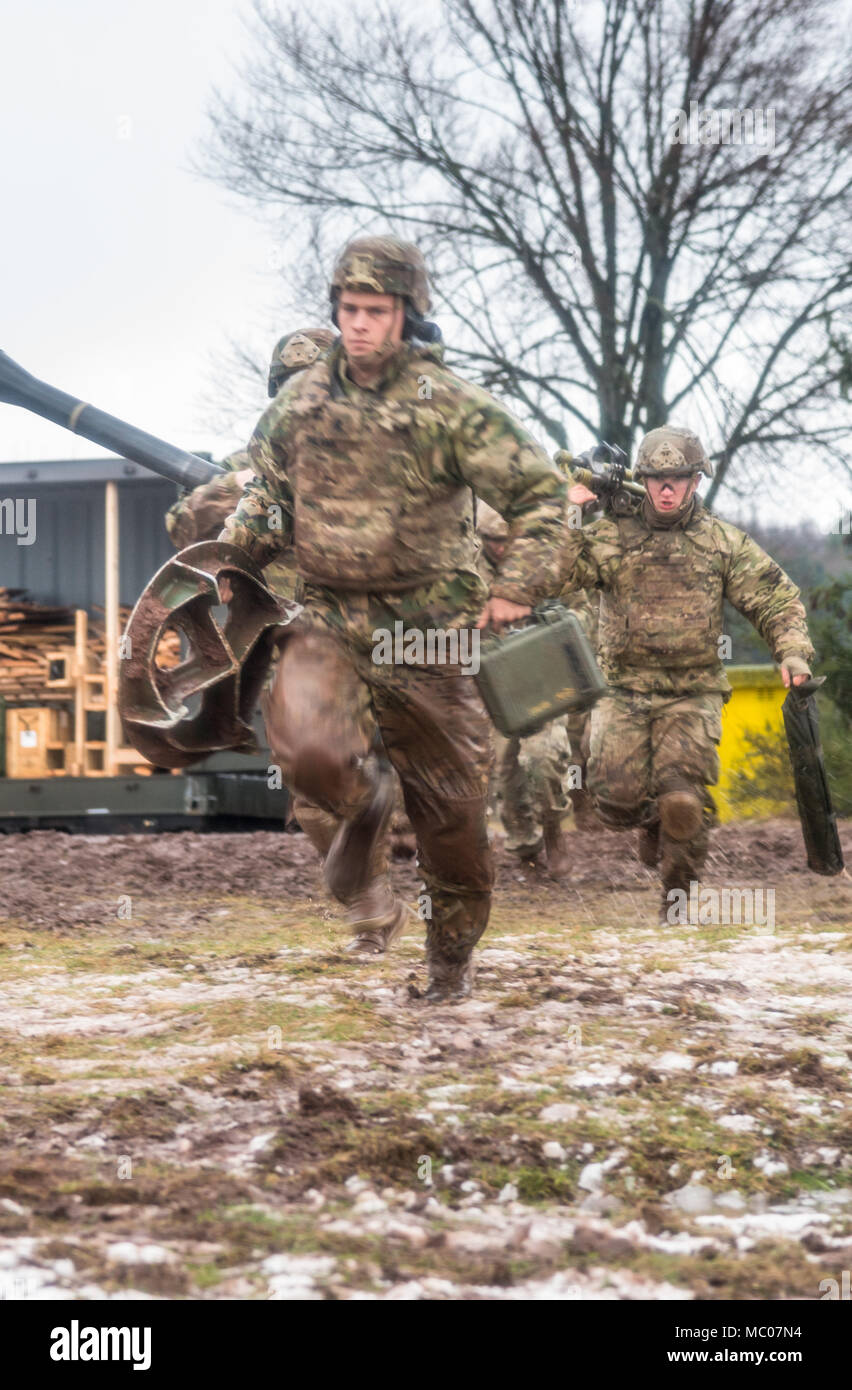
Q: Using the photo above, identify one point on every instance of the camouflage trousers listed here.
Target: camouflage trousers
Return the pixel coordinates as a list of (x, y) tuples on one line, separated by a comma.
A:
[(532, 782), (577, 728), (321, 708), (644, 745)]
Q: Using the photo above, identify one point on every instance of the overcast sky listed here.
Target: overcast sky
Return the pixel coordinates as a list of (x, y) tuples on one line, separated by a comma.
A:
[(125, 275)]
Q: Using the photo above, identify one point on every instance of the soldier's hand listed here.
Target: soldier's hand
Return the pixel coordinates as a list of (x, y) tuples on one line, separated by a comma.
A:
[(499, 611), (579, 495), (797, 670), (226, 593)]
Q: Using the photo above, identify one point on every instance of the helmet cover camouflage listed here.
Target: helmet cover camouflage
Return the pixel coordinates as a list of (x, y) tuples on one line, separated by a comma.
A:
[(296, 351), (490, 524), (382, 265), (671, 450)]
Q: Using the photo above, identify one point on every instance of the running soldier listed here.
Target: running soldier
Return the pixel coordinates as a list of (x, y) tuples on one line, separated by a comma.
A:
[(199, 515), (366, 464), (664, 573)]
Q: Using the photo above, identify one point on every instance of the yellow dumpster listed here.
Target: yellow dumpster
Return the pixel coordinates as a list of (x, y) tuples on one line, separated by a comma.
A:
[(752, 731)]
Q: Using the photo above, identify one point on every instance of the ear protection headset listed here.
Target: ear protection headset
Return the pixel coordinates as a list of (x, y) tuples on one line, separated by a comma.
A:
[(415, 326)]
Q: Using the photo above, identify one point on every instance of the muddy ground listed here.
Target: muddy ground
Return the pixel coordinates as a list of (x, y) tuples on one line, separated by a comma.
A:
[(202, 1096)]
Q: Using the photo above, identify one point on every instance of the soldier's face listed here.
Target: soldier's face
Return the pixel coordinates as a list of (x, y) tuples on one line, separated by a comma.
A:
[(669, 493), (369, 323)]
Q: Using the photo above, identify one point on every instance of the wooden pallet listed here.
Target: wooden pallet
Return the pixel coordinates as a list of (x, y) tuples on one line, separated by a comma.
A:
[(52, 660)]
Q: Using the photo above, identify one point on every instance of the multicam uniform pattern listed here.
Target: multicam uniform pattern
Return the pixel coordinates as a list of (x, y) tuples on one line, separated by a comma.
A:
[(200, 515), (373, 488), (663, 586)]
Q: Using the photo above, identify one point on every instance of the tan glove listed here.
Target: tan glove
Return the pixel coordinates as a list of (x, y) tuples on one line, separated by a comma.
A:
[(794, 668)]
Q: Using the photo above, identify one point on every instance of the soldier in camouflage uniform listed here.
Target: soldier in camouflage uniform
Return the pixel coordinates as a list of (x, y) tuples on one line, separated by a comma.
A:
[(532, 773), (199, 515), (664, 573), (365, 463)]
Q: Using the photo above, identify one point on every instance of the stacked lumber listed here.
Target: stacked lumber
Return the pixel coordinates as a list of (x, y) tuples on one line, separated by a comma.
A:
[(28, 631), (48, 692)]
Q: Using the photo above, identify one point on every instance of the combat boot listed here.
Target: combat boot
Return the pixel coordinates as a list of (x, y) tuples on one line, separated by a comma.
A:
[(684, 837), (558, 859), (674, 910), (681, 859), (679, 869), (449, 948), (376, 929), (450, 977)]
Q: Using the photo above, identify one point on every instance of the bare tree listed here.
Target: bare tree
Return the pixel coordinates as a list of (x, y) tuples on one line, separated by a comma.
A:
[(237, 389), (616, 244)]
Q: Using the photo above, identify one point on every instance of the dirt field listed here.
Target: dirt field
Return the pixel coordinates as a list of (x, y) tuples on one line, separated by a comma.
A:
[(203, 1097)]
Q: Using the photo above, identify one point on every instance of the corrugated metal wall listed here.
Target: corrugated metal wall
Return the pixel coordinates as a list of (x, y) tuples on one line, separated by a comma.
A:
[(65, 564)]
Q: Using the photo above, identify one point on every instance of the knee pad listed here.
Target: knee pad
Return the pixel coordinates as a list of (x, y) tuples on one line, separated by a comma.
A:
[(681, 814)]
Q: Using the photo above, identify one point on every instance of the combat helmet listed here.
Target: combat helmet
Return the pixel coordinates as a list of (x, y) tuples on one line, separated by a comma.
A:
[(671, 449), (294, 352), (490, 524), (382, 265)]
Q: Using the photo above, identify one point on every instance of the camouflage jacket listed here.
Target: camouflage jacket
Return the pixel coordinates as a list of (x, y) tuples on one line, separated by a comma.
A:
[(373, 486), (662, 595), (585, 605), (199, 515)]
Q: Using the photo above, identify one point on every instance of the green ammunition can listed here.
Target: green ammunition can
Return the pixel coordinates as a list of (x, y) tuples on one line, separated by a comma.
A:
[(535, 673)]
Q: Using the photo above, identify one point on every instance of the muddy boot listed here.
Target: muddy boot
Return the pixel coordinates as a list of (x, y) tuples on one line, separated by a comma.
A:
[(558, 859), (684, 840), (680, 870), (649, 845), (376, 918), (674, 899), (449, 948), (583, 808), (450, 976), (349, 864)]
